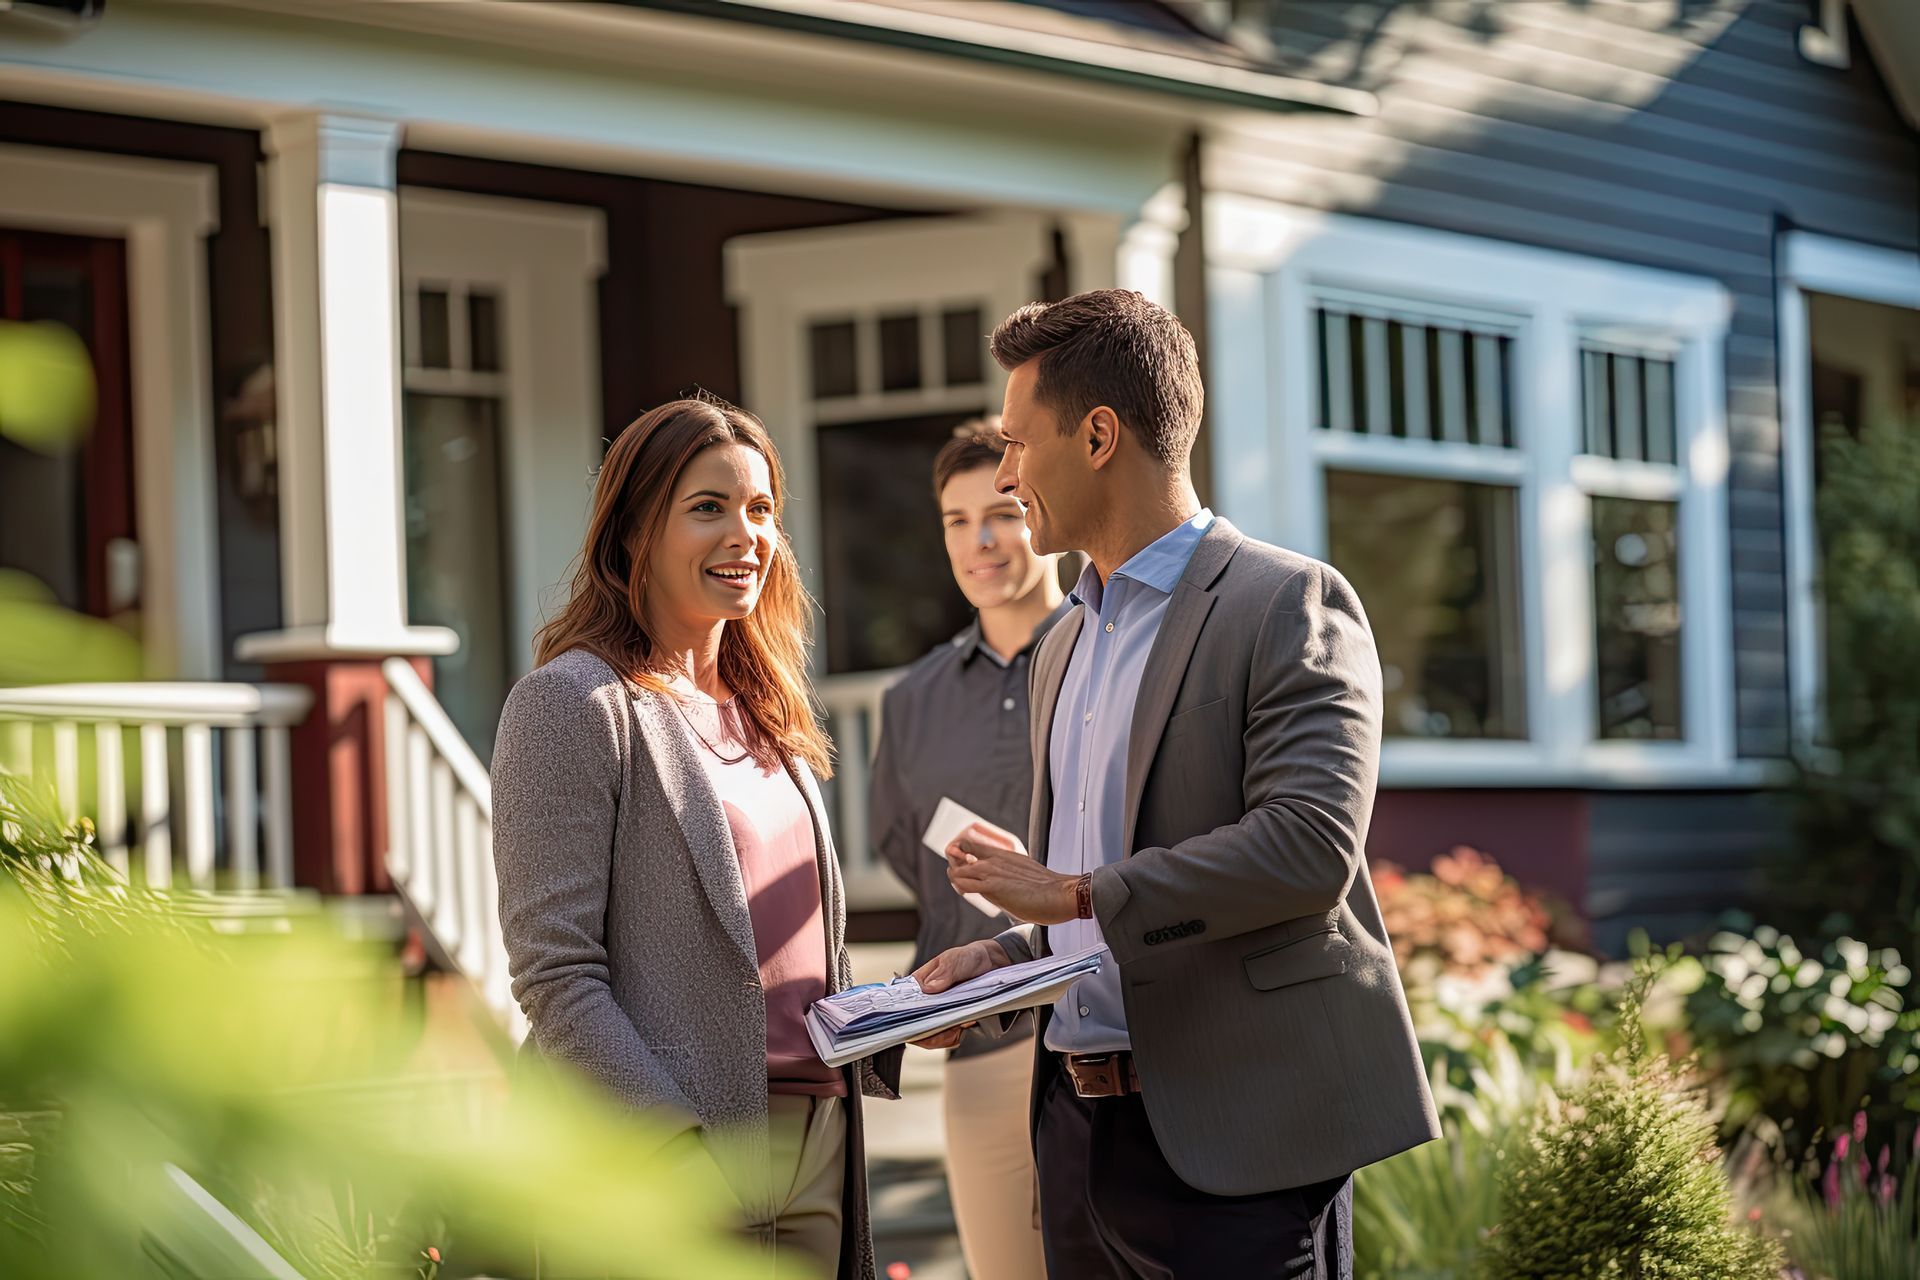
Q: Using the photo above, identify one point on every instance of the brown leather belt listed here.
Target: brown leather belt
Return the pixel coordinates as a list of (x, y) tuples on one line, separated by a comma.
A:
[(1101, 1075)]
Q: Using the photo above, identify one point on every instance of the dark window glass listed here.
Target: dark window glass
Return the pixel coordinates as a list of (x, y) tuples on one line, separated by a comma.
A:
[(963, 344), (1636, 608), (456, 556), (1436, 563), (900, 353), (835, 367), (483, 333), (888, 593), (436, 342)]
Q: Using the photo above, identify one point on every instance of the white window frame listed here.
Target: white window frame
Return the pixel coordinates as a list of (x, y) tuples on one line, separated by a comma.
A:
[(542, 261), (165, 210), (1813, 263), (1271, 265)]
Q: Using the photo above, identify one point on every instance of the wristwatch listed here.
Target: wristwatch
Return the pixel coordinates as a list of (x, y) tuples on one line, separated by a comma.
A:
[(1083, 897)]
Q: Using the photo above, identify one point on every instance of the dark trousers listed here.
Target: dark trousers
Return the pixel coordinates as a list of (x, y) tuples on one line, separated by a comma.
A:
[(1111, 1207)]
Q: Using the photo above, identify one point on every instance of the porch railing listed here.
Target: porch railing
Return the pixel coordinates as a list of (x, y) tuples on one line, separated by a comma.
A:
[(440, 839), (194, 779), (852, 704)]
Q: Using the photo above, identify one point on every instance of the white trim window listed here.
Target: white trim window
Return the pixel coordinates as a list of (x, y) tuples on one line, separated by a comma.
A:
[(1518, 457), (1813, 264)]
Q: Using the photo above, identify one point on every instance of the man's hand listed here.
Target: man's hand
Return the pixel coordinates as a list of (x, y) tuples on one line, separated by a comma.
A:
[(950, 969), (986, 860)]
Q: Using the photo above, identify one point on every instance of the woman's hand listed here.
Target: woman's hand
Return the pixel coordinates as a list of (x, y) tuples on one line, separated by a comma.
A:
[(950, 969)]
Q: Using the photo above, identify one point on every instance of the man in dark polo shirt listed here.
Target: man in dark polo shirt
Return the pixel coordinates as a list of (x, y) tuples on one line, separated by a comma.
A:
[(955, 727)]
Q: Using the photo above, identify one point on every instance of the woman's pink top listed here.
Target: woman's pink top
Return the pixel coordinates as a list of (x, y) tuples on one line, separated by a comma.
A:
[(773, 838)]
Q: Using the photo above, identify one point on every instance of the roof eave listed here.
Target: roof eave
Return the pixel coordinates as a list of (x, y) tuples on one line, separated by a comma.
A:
[(1136, 70)]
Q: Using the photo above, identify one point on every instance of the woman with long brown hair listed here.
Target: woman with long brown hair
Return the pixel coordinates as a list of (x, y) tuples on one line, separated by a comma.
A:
[(669, 894)]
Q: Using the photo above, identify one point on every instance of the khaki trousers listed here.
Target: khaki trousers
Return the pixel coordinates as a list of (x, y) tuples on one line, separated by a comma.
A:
[(990, 1163), (796, 1215)]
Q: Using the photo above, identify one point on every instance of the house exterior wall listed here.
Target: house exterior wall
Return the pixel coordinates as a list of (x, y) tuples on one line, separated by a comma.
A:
[(1679, 136), (1685, 137)]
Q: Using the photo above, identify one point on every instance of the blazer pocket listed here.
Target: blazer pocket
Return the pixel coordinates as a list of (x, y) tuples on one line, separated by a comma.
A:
[(1321, 954), (1196, 715)]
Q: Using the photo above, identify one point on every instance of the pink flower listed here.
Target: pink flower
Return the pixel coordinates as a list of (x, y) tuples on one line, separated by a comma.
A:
[(1886, 1153), (898, 1271), (1886, 1188), (1830, 1185), (1859, 1126), (1841, 1145), (433, 1254)]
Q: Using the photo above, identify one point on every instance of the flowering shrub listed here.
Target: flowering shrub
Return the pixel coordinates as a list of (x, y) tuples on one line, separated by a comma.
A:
[(1854, 1216), (1486, 965), (1467, 917), (1795, 1039)]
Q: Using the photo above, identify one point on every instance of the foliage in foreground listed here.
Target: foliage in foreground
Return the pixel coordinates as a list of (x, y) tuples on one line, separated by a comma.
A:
[(1622, 1180), (175, 1091)]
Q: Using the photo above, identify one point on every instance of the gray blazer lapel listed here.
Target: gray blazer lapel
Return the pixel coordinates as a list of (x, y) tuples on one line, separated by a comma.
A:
[(1167, 661), (703, 823), (1049, 674), (832, 891)]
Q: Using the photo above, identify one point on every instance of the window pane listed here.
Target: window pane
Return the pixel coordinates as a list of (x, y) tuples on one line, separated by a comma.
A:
[(900, 353), (963, 339), (835, 369), (1661, 434), (1636, 606), (483, 332), (436, 347), (886, 588), (456, 557), (1435, 563)]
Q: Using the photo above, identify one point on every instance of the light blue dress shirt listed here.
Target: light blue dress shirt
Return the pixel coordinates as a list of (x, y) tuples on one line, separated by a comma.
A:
[(1088, 760)]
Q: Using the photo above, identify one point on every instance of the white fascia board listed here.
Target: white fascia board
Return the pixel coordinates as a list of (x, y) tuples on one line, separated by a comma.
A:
[(1850, 269)]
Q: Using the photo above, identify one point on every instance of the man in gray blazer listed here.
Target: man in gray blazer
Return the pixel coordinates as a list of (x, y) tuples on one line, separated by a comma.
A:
[(1206, 738)]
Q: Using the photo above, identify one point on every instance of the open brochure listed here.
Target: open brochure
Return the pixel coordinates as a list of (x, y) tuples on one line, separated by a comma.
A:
[(864, 1020)]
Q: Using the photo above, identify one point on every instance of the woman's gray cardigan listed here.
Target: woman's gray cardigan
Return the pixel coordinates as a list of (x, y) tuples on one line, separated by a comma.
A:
[(626, 921)]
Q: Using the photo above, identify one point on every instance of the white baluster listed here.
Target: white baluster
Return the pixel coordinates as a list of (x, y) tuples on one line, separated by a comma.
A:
[(19, 747), (110, 794), (472, 938), (277, 767), (497, 982), (446, 902), (156, 835), (243, 803), (399, 844), (66, 767), (421, 887), (853, 757), (196, 788)]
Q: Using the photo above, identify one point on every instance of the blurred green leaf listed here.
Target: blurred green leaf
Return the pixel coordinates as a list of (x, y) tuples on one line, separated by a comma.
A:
[(46, 386)]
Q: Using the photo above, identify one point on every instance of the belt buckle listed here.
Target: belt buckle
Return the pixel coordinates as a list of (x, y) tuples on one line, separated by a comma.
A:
[(1102, 1078)]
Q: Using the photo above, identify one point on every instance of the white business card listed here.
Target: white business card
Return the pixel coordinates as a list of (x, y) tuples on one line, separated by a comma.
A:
[(950, 818)]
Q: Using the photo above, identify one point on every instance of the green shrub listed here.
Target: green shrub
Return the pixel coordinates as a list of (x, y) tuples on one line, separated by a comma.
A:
[(1425, 1214), (1622, 1180), (1794, 1039)]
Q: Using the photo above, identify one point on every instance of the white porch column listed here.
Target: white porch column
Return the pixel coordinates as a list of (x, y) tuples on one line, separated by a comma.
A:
[(335, 225), (1108, 252), (1148, 245)]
